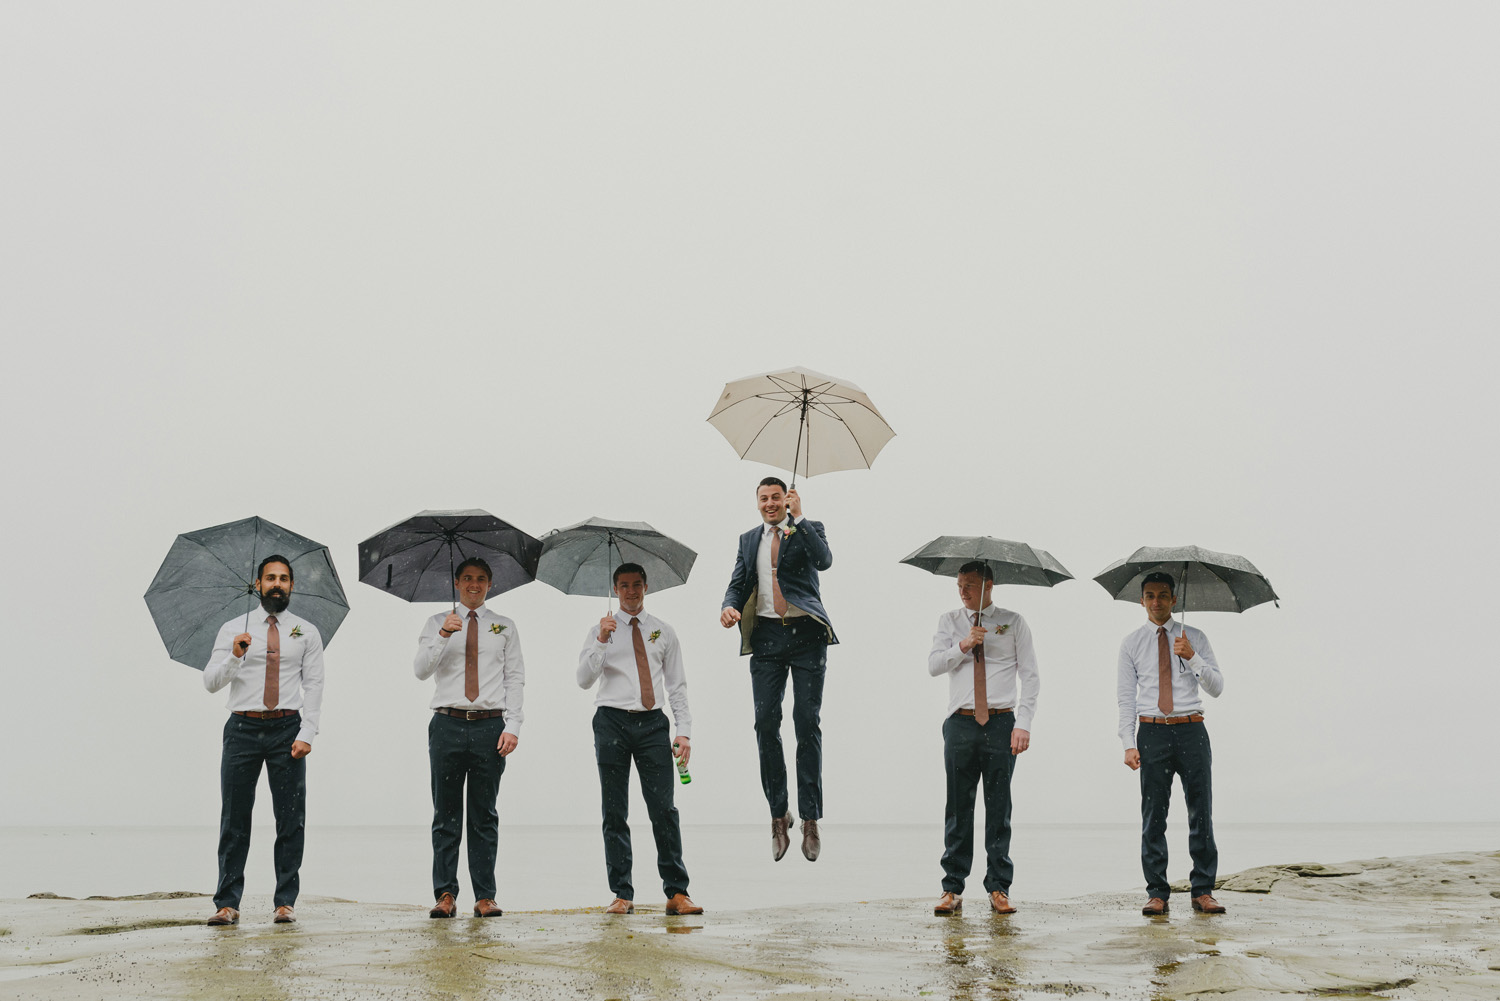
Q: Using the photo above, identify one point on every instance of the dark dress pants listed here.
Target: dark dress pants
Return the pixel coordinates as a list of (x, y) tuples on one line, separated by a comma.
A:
[(798, 648), (1181, 749), (249, 743), (464, 754), (973, 754), (621, 736)]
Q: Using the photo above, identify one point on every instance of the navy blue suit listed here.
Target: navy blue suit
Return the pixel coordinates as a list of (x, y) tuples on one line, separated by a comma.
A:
[(782, 648)]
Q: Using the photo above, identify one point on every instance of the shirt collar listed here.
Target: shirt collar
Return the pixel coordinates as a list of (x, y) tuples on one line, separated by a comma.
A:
[(480, 610), (786, 520), (624, 617), (1172, 626), (988, 612)]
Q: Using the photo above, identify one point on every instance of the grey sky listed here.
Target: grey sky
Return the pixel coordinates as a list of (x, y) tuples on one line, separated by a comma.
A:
[(1118, 275)]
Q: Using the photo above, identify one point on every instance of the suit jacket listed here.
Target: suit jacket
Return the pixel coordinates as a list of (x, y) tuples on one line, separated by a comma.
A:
[(803, 554)]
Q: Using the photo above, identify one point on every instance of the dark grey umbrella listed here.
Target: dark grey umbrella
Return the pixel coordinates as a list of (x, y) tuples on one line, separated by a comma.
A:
[(414, 559), (208, 578), (1206, 581), (1011, 562), (581, 558)]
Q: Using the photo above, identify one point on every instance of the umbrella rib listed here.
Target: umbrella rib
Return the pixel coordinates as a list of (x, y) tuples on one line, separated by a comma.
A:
[(436, 552)]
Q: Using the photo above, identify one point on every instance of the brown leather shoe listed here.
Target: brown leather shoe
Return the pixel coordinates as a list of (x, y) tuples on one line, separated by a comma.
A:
[(284, 915), (780, 840), (620, 906), (1155, 907), (1000, 904), (1205, 903), (948, 904), (445, 907), (683, 904), (811, 843), (487, 908), (225, 916)]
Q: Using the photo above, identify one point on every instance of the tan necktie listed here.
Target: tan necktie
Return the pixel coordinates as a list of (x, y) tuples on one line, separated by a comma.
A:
[(778, 600), (273, 663), (1163, 672), (981, 689), (642, 666), (471, 658)]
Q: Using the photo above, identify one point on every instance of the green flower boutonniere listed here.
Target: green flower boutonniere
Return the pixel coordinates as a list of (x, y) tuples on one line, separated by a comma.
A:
[(655, 635), (1002, 629), (296, 632), (496, 628)]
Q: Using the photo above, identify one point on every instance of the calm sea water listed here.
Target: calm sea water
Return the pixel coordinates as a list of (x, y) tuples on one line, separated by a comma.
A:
[(731, 868)]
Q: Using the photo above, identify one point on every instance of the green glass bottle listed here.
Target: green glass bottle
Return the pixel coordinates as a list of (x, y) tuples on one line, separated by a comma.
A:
[(682, 769)]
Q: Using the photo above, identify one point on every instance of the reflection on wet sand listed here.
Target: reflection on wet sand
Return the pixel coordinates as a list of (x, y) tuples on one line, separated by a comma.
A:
[(981, 956)]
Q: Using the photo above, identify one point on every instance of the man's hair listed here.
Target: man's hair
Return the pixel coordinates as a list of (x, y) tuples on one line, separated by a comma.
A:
[(1157, 577), (477, 564), (629, 568), (980, 567), (276, 558), (771, 481)]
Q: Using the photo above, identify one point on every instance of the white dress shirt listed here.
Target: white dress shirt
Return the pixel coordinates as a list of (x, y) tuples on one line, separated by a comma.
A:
[(1137, 689), (615, 662), (300, 686), (502, 672), (1008, 657), (765, 595)]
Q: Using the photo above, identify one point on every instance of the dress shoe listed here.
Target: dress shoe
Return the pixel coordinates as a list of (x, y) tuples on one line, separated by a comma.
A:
[(445, 907), (1205, 903), (1000, 904), (487, 908), (811, 843), (1155, 907), (683, 904), (780, 840), (284, 915), (225, 916), (948, 904), (620, 906)]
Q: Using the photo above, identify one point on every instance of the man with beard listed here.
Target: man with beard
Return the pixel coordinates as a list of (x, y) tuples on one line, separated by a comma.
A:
[(272, 662), (474, 657)]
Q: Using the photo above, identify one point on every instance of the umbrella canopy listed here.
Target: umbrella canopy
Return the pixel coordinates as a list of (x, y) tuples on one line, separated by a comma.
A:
[(581, 558), (1011, 562), (1206, 581), (415, 559), (208, 578), (801, 421)]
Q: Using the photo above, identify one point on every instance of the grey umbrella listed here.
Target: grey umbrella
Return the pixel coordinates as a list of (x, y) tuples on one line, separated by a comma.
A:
[(1011, 562), (415, 559), (208, 578), (1206, 581), (581, 558)]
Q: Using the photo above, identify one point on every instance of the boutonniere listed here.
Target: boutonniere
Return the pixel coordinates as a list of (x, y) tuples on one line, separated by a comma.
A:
[(655, 635), (789, 531), (296, 632), (1001, 629), (496, 628)]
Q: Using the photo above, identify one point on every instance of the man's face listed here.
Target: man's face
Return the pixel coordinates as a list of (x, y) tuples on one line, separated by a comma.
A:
[(1158, 601), (473, 584), (772, 503), (275, 587), (630, 588), (974, 591)]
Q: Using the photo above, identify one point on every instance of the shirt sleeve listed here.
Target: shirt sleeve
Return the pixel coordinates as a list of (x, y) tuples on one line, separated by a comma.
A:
[(430, 647), (312, 684), (1029, 680), (675, 678), (1125, 684), (222, 664), (591, 659), (513, 679), (1205, 667), (945, 656)]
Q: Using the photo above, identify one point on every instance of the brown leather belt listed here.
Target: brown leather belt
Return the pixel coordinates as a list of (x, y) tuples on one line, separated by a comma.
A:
[(271, 714), (1173, 720), (469, 714), (970, 712)]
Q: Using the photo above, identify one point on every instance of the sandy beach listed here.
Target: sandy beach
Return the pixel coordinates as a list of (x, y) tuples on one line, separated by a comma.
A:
[(1416, 927)]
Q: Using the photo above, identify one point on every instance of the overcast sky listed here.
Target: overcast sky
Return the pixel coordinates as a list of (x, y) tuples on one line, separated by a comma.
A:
[(1118, 275)]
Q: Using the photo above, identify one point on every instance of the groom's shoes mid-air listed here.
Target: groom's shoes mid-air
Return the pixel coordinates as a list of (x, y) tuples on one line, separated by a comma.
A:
[(780, 840)]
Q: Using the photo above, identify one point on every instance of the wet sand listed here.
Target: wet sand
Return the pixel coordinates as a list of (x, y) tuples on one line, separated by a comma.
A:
[(1421, 927)]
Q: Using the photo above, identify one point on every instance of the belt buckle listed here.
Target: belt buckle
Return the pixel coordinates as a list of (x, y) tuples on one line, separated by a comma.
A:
[(471, 714)]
